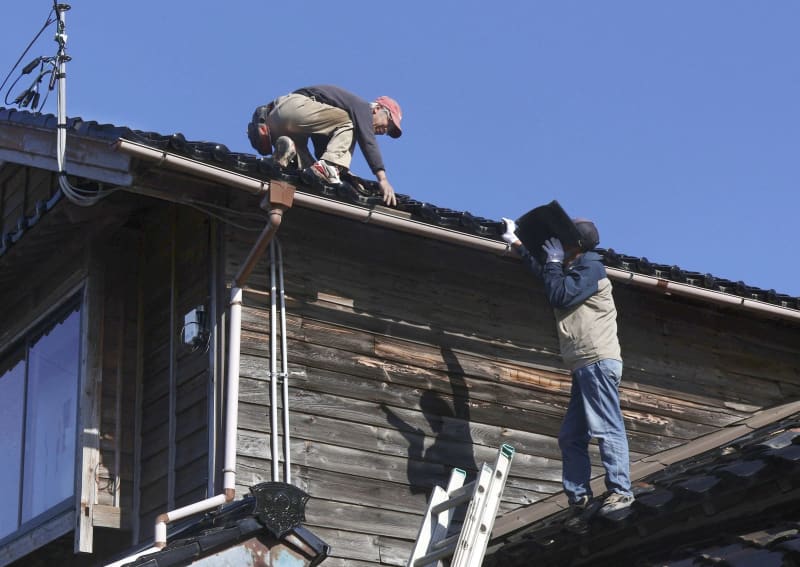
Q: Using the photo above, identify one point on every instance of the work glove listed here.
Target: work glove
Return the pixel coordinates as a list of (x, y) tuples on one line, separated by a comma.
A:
[(555, 252), (510, 228)]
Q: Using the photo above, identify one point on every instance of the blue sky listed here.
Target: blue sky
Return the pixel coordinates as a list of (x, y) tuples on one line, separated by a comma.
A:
[(674, 125)]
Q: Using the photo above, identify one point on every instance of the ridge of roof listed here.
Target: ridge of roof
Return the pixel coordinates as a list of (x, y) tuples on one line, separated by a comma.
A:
[(367, 195)]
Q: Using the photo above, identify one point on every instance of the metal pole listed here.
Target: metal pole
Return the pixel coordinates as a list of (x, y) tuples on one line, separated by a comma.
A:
[(273, 366), (287, 474)]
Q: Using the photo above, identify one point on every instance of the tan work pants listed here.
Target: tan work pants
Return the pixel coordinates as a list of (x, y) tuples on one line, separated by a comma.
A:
[(299, 117)]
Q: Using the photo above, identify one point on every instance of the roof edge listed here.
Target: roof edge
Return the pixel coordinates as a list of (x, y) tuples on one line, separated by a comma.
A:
[(390, 219)]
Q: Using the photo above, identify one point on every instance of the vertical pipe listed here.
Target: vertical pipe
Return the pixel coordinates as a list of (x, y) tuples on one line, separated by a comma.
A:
[(213, 357), (232, 393), (287, 474), (173, 387), (118, 407), (137, 420), (273, 366)]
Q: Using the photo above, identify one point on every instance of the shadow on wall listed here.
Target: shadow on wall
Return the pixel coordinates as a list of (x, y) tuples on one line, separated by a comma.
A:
[(449, 426)]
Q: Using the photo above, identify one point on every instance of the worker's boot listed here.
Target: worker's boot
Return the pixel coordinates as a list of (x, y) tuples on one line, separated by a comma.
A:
[(580, 512), (284, 152), (617, 506)]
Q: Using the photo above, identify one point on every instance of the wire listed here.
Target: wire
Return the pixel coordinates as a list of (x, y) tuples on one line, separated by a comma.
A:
[(44, 27), (80, 197), (203, 207), (223, 219), (255, 216)]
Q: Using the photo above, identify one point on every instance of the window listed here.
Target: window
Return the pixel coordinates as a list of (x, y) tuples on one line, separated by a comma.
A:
[(38, 420)]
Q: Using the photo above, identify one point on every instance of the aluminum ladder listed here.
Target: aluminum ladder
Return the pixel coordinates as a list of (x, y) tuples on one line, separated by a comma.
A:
[(469, 545)]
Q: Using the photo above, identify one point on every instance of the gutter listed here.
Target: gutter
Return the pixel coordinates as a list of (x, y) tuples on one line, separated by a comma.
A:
[(390, 218)]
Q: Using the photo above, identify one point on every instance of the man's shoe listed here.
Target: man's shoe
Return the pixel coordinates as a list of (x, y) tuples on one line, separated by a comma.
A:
[(322, 171), (580, 512), (284, 152), (616, 505)]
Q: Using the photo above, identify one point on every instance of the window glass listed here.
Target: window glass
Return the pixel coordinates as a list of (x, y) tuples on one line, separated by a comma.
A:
[(51, 414), (12, 392)]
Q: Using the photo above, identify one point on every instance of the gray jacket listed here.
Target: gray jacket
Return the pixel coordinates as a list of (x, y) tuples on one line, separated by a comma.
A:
[(586, 316)]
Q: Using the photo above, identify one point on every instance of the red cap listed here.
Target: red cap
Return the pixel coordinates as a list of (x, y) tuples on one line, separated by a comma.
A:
[(395, 114)]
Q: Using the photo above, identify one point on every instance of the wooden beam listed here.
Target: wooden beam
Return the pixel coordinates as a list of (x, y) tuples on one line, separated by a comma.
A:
[(107, 517), (90, 394)]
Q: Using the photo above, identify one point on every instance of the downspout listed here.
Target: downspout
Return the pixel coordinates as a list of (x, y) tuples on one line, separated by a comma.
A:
[(394, 220), (281, 195)]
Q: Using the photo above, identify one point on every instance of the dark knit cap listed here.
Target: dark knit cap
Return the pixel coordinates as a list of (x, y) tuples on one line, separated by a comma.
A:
[(590, 238)]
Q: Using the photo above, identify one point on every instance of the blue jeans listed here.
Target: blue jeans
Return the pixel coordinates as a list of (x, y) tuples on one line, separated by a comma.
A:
[(594, 412)]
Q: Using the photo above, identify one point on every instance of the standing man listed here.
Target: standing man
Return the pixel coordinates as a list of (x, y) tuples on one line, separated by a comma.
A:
[(334, 119), (579, 291)]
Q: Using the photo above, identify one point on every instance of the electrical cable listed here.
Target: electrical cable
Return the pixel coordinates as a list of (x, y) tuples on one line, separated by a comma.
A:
[(77, 195), (80, 197), (255, 216), (222, 218), (44, 27), (204, 207)]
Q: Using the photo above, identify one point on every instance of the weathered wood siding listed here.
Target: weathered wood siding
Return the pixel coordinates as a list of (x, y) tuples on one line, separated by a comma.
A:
[(174, 279), (21, 189), (114, 493), (46, 268), (408, 357)]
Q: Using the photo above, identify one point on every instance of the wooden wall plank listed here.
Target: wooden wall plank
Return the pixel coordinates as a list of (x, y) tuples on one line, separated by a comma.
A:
[(403, 364)]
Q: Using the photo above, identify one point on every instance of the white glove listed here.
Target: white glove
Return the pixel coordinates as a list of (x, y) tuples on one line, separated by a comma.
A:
[(510, 230), (555, 252)]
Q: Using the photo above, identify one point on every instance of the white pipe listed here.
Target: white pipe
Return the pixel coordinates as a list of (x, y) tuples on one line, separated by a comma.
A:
[(232, 401), (287, 462), (231, 413), (393, 220), (273, 366), (231, 426)]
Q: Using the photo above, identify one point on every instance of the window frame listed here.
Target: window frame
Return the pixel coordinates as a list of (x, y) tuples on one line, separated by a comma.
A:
[(23, 338)]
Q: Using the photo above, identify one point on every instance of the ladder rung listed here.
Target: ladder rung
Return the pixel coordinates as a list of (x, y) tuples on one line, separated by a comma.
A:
[(442, 543), (441, 549), (458, 496), (467, 547)]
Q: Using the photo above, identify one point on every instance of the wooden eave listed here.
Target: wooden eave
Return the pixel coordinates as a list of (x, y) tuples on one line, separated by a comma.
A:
[(86, 157)]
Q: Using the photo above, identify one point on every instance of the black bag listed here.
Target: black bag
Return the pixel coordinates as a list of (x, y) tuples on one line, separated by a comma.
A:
[(258, 131)]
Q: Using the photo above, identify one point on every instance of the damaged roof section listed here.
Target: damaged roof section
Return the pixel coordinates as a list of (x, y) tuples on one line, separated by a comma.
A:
[(356, 191), (733, 505)]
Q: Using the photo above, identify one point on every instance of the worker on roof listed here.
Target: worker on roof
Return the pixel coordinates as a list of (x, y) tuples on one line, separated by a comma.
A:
[(579, 291), (334, 119)]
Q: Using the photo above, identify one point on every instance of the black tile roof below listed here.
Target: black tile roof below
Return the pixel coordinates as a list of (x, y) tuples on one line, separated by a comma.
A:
[(365, 193), (217, 530), (734, 505)]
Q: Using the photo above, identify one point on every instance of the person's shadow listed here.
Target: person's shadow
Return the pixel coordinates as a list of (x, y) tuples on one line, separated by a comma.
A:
[(450, 426)]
